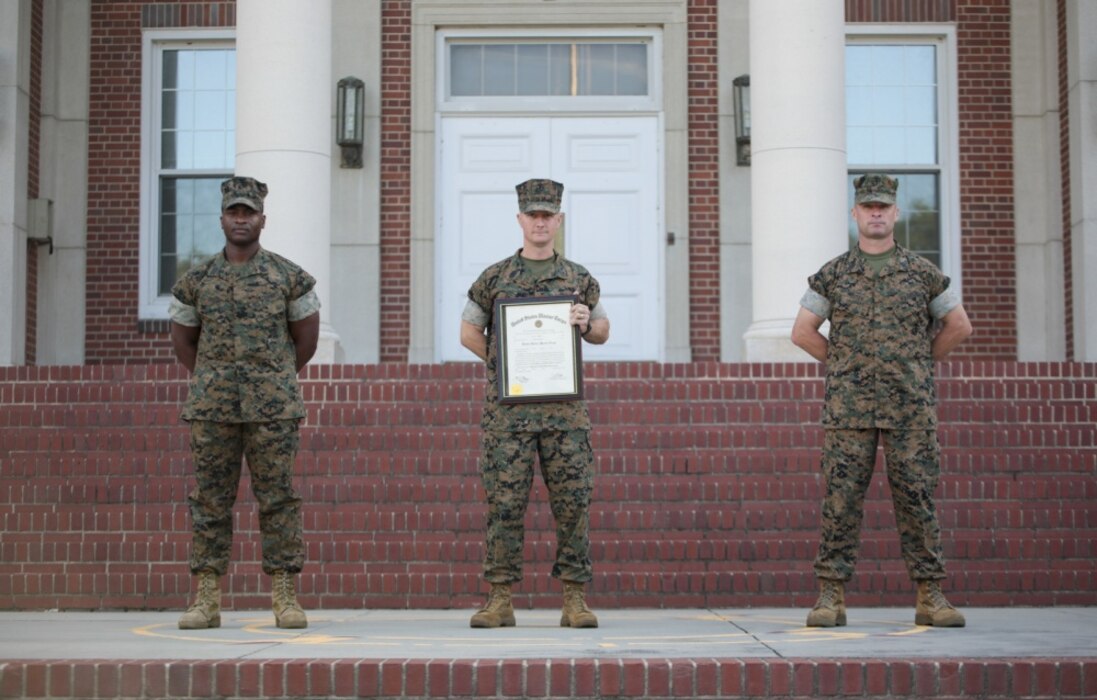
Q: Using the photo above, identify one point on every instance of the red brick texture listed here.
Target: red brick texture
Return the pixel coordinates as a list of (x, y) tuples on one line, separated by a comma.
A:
[(1064, 156), (704, 181), (647, 678), (34, 138), (707, 491), (34, 123), (901, 10), (987, 247), (395, 179)]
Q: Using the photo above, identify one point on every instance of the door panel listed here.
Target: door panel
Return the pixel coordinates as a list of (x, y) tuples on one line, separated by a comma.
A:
[(609, 167), (613, 216)]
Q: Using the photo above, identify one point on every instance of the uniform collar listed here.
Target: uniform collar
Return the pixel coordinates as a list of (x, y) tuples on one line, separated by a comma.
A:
[(257, 263), (557, 269), (899, 261)]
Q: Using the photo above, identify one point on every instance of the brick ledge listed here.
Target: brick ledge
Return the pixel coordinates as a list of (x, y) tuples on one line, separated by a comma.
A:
[(563, 678)]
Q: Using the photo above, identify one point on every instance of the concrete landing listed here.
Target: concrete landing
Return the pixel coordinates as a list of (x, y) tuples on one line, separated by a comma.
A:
[(695, 653)]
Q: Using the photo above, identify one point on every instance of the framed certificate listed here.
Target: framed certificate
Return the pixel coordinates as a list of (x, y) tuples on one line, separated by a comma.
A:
[(539, 351)]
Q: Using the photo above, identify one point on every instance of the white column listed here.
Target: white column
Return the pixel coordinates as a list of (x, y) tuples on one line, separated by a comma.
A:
[(798, 161), (14, 156), (63, 179), (284, 96), (1082, 100), (1038, 184)]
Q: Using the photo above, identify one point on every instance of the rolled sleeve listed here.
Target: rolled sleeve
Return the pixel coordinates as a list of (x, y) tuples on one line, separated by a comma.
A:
[(475, 315), (944, 302), (816, 303), (305, 306), (183, 314)]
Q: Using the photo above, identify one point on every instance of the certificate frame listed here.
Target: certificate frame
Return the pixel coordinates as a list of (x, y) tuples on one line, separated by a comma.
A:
[(538, 360)]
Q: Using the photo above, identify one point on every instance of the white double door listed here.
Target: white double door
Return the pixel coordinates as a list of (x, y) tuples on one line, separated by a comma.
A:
[(613, 216)]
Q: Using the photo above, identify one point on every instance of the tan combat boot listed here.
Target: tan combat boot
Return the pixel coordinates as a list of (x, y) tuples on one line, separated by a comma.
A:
[(576, 613), (934, 609), (205, 611), (499, 610), (287, 613), (830, 609)]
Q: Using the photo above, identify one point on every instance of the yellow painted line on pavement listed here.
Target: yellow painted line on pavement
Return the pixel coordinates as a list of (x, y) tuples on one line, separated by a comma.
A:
[(262, 631)]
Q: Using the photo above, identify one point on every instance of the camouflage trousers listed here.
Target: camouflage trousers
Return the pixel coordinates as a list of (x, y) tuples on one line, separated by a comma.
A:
[(218, 450), (567, 468), (912, 459)]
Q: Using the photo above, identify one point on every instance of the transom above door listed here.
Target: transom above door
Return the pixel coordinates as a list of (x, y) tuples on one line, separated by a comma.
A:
[(600, 70)]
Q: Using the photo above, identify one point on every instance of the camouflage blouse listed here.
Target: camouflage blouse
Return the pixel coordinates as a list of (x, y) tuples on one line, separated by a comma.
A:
[(879, 357), (513, 278), (245, 371)]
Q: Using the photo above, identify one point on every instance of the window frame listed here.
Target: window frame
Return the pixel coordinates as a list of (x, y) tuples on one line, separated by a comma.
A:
[(948, 140), (650, 103), (151, 304)]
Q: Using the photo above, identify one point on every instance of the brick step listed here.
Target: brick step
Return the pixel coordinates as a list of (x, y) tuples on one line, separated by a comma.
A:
[(653, 677), (708, 486)]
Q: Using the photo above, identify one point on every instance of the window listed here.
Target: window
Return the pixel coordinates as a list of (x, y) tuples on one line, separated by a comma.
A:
[(556, 69), (504, 71), (189, 148), (898, 121)]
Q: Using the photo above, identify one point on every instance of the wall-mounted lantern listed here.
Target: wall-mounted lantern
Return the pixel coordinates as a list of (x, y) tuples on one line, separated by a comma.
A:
[(350, 100), (741, 93)]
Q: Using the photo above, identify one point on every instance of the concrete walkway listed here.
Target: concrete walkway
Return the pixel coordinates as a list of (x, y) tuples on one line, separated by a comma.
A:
[(880, 633)]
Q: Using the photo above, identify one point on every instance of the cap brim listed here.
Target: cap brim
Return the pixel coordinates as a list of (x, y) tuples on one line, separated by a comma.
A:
[(250, 203), (548, 208), (876, 199)]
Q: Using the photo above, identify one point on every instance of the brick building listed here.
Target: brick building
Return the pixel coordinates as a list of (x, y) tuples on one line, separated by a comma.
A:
[(119, 118)]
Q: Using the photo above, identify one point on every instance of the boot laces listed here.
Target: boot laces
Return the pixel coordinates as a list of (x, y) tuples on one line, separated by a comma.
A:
[(574, 598), (497, 598), (937, 600), (828, 597), (283, 588), (207, 588)]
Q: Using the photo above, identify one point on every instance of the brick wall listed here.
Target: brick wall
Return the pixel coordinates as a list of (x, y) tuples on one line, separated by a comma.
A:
[(987, 247), (707, 489), (901, 10), (1064, 165), (34, 135), (114, 193), (704, 181), (395, 179), (113, 331)]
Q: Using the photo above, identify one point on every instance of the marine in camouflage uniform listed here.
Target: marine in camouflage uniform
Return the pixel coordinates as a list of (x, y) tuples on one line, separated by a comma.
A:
[(891, 313), (515, 436), (244, 322)]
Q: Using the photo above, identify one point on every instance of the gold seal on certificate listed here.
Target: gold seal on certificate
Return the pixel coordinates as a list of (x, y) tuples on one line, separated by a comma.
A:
[(539, 350)]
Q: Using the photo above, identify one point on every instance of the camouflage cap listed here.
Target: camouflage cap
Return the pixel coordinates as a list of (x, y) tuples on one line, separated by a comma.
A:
[(875, 187), (243, 190), (539, 195)]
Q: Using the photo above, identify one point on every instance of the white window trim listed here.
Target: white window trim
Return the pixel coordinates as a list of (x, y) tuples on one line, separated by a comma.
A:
[(944, 37), (151, 305), (594, 104)]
